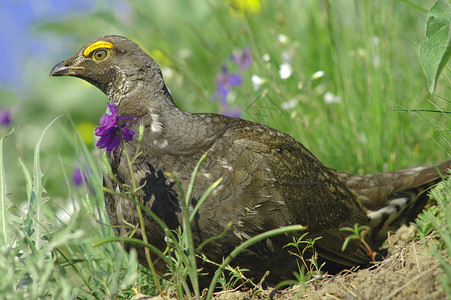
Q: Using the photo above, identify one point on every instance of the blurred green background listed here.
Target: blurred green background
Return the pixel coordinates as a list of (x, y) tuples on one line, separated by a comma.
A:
[(333, 74)]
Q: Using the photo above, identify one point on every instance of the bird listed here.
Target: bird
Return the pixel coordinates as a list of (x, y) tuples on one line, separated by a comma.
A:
[(269, 180)]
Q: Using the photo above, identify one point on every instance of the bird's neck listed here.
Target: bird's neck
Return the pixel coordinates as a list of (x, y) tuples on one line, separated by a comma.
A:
[(138, 91), (155, 109), (141, 103), (167, 128)]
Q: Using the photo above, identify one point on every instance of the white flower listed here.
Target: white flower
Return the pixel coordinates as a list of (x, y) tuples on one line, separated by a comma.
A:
[(184, 53), (286, 56), (285, 70), (320, 89), (168, 72), (257, 82), (231, 96), (289, 104), (318, 74), (283, 39), (64, 215), (375, 40), (376, 61), (331, 98), (266, 57)]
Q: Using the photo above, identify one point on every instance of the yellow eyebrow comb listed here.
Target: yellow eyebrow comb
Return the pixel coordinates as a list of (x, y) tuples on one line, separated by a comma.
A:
[(97, 45)]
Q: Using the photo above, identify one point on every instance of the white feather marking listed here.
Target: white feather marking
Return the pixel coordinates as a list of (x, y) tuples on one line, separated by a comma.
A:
[(156, 125), (162, 144), (228, 167)]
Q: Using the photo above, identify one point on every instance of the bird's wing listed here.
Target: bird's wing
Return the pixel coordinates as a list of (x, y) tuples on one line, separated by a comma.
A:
[(278, 182)]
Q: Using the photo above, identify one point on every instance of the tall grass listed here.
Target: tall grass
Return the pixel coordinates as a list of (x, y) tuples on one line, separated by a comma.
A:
[(46, 249)]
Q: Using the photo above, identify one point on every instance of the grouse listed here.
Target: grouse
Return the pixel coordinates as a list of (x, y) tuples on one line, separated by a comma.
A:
[(269, 179)]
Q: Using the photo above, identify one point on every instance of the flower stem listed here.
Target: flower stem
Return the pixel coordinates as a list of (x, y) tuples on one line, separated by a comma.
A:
[(141, 219)]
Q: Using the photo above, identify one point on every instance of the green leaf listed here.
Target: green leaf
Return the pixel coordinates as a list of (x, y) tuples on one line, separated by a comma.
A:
[(6, 217), (436, 50), (28, 179), (38, 200)]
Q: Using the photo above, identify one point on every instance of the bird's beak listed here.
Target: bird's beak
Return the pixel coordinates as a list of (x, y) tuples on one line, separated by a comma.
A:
[(61, 70)]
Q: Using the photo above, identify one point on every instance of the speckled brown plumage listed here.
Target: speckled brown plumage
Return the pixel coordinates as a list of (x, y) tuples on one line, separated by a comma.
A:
[(269, 179)]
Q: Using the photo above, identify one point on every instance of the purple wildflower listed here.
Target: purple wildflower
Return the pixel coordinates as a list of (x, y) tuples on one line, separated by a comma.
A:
[(242, 59), (77, 176), (81, 174), (5, 118), (224, 81), (110, 132)]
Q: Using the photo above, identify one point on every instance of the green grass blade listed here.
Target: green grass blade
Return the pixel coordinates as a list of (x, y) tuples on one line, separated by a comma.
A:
[(246, 244), (133, 241), (187, 233), (415, 6), (209, 240), (189, 191), (202, 199)]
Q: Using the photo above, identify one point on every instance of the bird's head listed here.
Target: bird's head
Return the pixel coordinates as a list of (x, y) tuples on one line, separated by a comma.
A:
[(115, 65)]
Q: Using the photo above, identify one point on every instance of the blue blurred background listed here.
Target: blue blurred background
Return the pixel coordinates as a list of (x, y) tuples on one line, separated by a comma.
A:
[(20, 43)]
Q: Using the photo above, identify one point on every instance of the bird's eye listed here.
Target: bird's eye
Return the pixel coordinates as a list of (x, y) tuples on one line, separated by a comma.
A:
[(100, 54)]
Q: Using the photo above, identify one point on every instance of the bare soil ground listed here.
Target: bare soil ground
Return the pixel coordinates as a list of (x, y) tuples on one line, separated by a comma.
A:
[(410, 272)]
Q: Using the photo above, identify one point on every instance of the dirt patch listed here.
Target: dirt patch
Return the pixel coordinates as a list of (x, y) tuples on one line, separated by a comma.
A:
[(410, 272)]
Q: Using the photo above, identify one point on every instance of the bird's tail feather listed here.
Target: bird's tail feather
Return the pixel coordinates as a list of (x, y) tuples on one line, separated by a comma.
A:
[(401, 208), (394, 198)]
